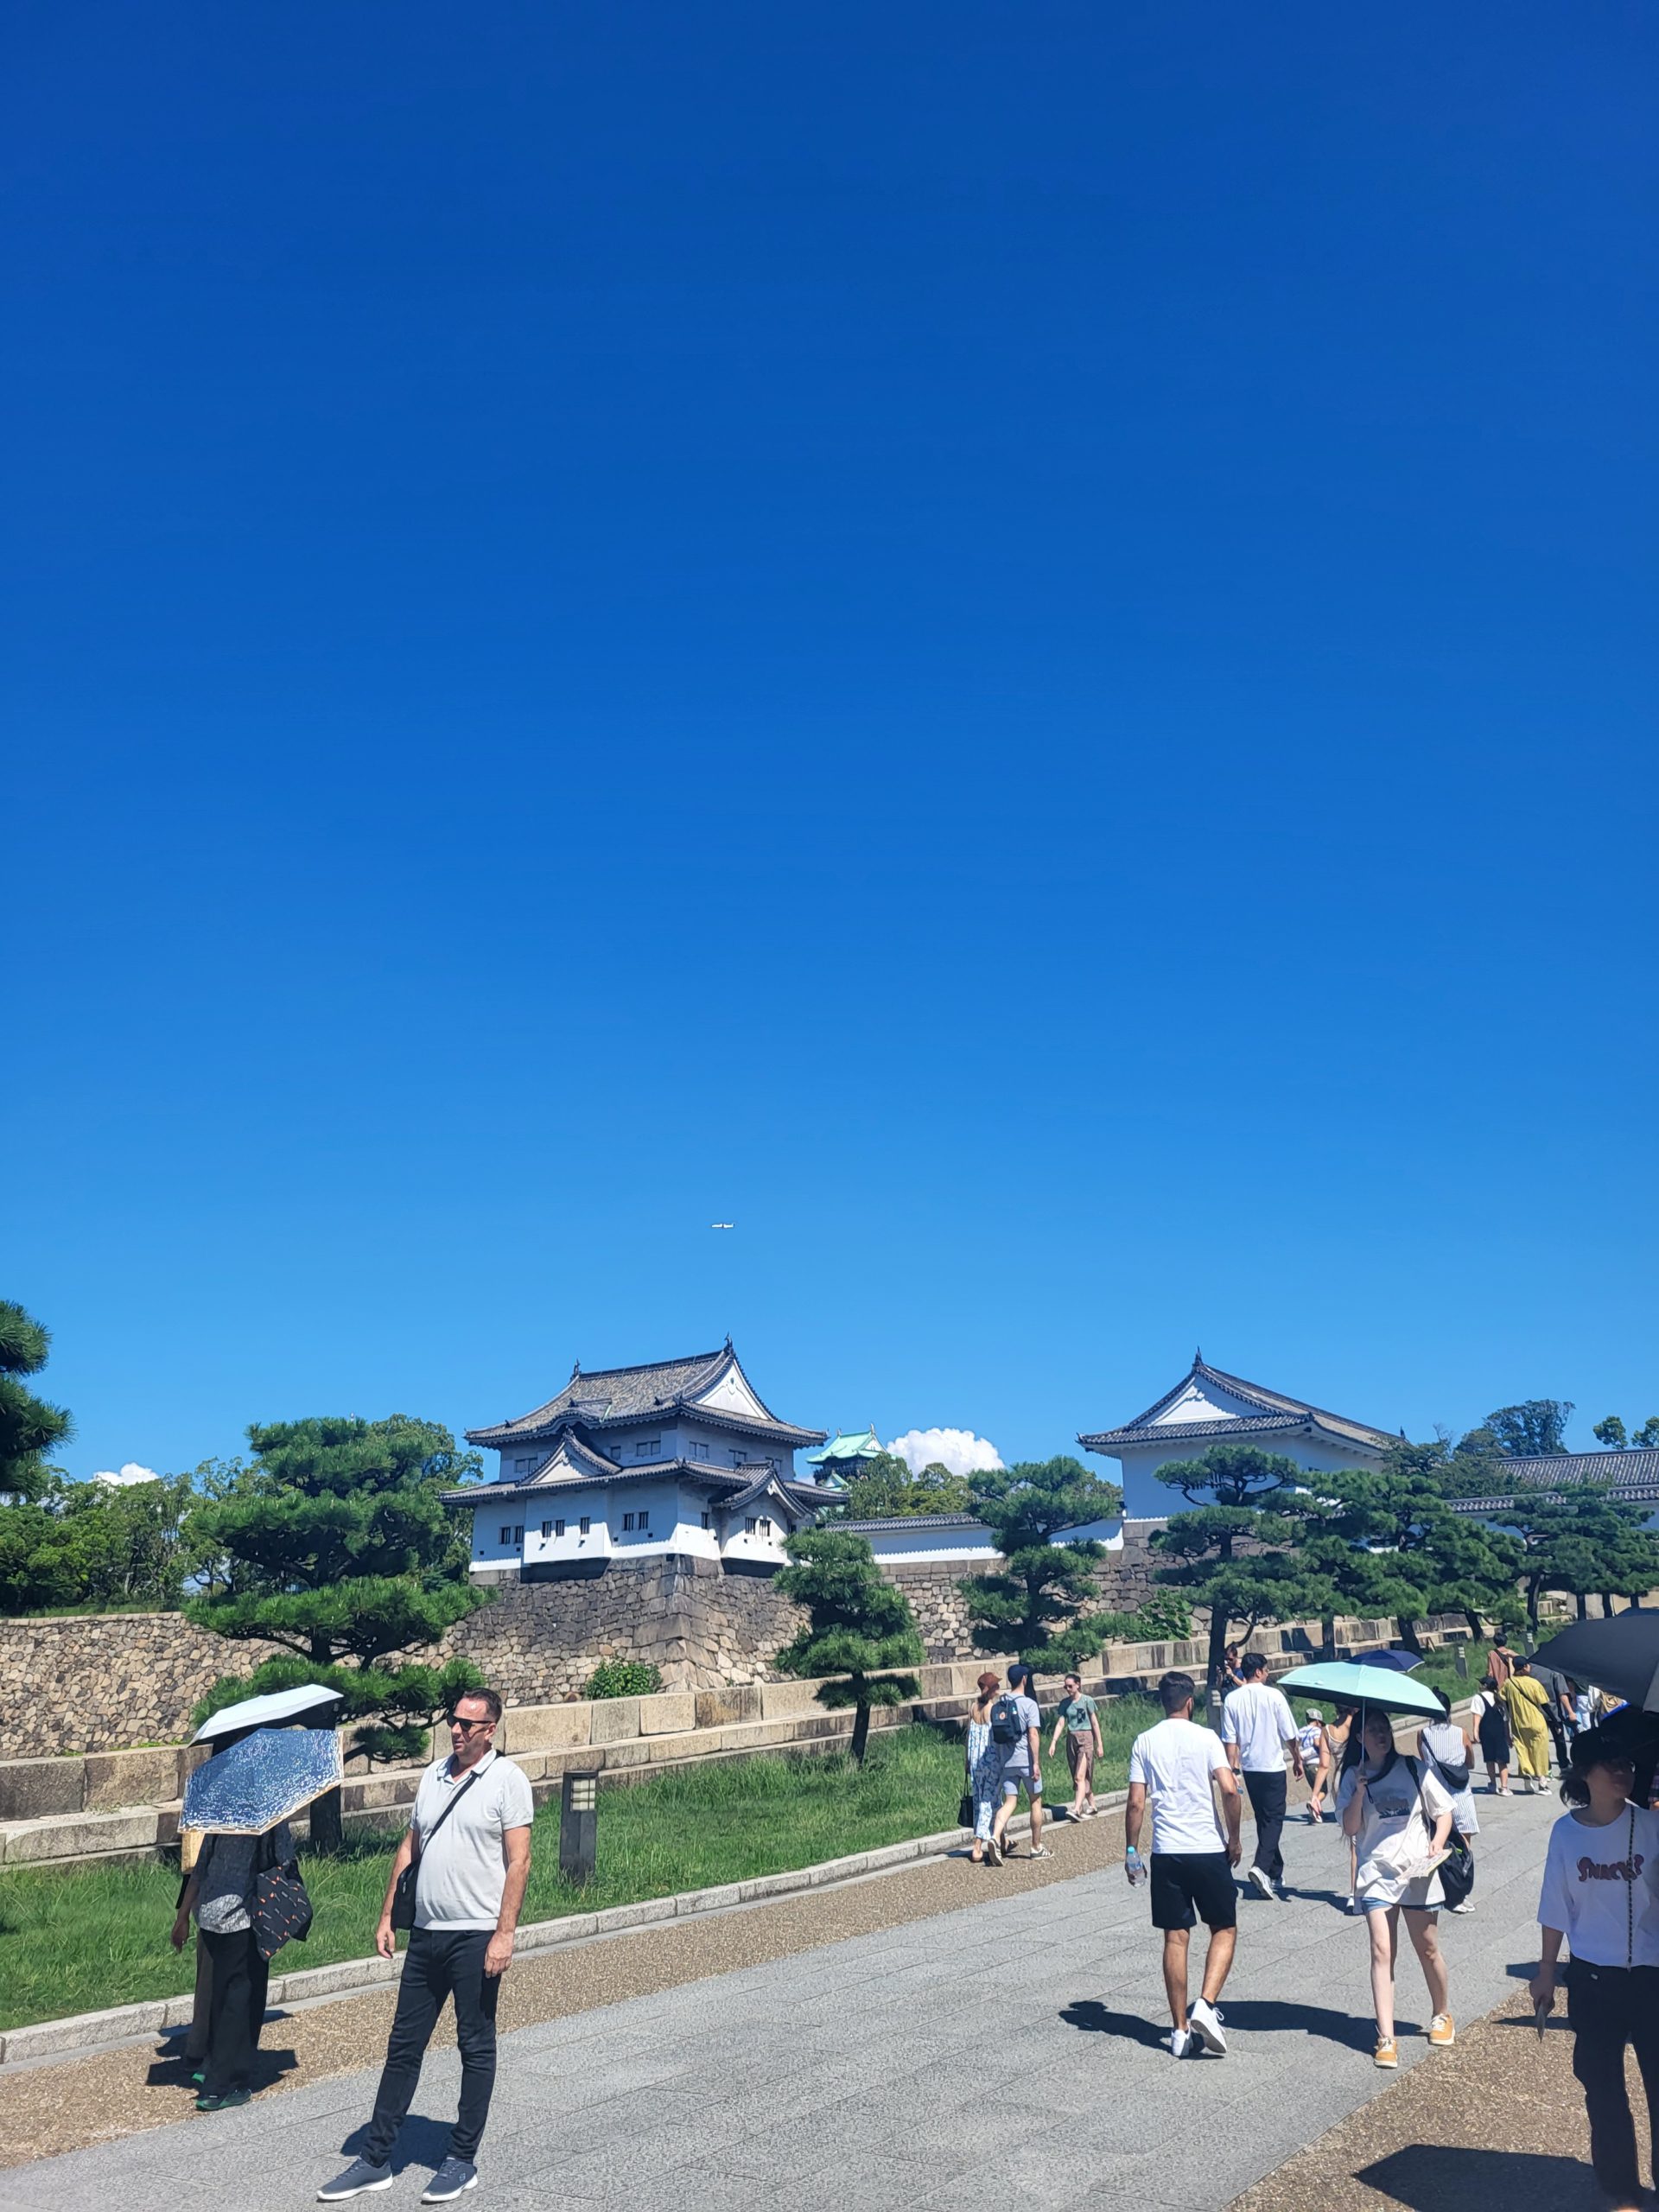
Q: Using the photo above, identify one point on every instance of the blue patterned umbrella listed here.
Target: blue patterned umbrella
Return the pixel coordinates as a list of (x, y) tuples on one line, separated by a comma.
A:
[(267, 1776)]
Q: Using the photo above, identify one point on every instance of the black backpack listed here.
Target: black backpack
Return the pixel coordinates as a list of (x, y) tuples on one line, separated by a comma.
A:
[(1007, 1727)]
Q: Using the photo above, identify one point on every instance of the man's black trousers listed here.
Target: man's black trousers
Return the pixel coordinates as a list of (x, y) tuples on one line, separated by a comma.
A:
[(442, 1962), (1609, 2007), (1266, 1793)]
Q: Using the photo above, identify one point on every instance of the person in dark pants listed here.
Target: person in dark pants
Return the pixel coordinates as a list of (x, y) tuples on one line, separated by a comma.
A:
[(1257, 1728), (469, 1843), (220, 1894), (1601, 1895)]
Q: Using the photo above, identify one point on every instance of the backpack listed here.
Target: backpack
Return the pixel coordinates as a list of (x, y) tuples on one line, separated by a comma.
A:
[(1006, 1728), (1453, 1773)]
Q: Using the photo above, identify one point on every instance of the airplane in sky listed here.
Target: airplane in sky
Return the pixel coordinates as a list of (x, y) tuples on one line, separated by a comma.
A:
[(723, 1225)]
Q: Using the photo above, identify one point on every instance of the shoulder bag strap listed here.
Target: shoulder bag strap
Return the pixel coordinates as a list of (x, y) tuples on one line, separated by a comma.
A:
[(1629, 1893), (444, 1814)]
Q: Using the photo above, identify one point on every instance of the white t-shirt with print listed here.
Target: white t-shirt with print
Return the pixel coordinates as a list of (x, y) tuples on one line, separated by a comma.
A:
[(1258, 1719), (1601, 1888), (1175, 1761)]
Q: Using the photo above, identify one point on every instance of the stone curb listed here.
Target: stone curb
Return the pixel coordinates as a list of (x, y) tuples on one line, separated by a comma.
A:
[(83, 2033)]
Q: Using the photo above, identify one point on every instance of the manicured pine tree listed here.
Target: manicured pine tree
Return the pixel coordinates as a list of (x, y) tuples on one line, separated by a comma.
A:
[(336, 1544), (858, 1627), (1042, 1602)]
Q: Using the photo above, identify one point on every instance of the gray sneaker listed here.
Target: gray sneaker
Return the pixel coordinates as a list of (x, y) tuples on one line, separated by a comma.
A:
[(358, 2178), (452, 2177)]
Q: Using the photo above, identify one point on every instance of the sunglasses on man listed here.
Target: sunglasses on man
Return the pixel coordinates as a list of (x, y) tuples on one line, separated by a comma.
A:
[(459, 1720)]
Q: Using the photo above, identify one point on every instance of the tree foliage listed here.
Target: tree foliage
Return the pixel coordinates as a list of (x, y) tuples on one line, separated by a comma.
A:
[(1578, 1544), (1537, 1428), (101, 1544), (885, 1489), (29, 1426), (334, 1542), (858, 1627), (1389, 1540), (1041, 1603), (1230, 1553), (1612, 1436)]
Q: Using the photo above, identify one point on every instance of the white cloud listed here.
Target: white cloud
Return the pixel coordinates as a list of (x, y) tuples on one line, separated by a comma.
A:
[(130, 1473), (959, 1449)]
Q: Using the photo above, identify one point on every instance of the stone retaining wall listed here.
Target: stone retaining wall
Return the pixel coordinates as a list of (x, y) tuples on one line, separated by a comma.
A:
[(104, 1682)]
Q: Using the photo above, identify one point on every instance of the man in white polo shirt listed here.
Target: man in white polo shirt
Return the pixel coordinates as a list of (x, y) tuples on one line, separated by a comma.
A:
[(1180, 1767), (471, 1829), (1258, 1727)]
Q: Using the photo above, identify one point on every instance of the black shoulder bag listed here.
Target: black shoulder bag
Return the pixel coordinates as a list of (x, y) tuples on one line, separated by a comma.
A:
[(402, 1898), (280, 1909)]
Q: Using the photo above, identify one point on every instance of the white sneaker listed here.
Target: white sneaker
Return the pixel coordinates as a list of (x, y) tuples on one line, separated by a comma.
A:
[(1206, 2025), (1260, 1881), (1179, 2041), (1352, 1905), (1466, 1906)]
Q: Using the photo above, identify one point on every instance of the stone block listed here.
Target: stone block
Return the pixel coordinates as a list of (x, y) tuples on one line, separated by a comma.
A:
[(670, 1713), (366, 1793), (689, 1744), (76, 1835), (84, 2031), (542, 1935), (345, 1973), (722, 1708), (131, 1778), (620, 1917), (31, 1790), (772, 1886), (549, 1727), (615, 1719), (632, 1751), (782, 1700), (711, 1900)]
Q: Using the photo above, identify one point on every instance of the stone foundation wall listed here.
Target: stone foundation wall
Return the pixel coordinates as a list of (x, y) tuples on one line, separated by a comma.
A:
[(104, 1682), (706, 1629), (934, 1589)]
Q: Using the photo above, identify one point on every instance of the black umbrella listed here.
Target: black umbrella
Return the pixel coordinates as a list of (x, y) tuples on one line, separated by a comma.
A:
[(1621, 1655), (1400, 1662)]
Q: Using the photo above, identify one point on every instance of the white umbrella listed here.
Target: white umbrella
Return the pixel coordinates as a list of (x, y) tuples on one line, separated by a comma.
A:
[(256, 1712)]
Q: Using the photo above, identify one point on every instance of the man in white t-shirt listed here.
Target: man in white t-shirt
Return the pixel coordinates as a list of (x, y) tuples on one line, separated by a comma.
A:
[(1258, 1728), (468, 1841), (1181, 1767)]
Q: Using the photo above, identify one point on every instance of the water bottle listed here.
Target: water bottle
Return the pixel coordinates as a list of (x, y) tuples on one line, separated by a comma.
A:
[(1135, 1866)]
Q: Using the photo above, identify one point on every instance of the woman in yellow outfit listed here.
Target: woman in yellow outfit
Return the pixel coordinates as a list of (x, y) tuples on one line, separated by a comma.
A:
[(1526, 1701)]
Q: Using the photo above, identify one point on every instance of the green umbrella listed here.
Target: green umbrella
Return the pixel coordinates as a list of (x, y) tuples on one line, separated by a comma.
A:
[(1357, 1685)]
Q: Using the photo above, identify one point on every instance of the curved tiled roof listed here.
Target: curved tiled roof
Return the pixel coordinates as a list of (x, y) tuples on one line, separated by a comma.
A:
[(611, 1396), (1275, 1412), (1631, 1476)]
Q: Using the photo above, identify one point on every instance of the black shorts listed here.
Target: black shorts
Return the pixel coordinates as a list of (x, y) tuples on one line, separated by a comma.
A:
[(1187, 1885)]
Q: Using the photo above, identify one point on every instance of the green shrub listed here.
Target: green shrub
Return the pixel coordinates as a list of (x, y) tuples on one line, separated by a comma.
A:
[(624, 1678)]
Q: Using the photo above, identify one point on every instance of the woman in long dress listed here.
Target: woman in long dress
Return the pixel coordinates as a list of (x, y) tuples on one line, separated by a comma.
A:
[(1527, 1702)]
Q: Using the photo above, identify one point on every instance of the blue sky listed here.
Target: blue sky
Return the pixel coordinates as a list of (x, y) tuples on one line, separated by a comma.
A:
[(1016, 648)]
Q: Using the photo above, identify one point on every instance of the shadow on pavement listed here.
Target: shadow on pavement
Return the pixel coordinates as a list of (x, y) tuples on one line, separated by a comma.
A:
[(1265, 2015), (421, 2142), (172, 2071), (1427, 2178), (1094, 2019)]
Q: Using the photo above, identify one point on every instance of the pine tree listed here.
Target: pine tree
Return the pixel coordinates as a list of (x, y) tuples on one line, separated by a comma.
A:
[(1040, 1603), (29, 1428), (335, 1543), (858, 1626)]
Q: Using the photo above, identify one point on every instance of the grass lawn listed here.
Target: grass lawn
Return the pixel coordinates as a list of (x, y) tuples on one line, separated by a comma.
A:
[(75, 1939)]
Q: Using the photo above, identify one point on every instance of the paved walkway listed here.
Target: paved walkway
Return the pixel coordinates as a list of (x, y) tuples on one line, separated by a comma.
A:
[(1008, 2051)]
